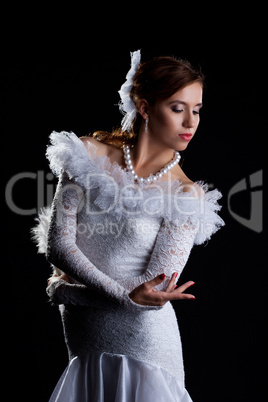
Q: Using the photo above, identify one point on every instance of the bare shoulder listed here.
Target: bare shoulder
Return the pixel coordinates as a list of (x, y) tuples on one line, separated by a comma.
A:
[(103, 149), (194, 188), (188, 185)]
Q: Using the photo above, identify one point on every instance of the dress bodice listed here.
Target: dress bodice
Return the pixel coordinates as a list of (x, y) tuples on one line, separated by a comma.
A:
[(119, 248)]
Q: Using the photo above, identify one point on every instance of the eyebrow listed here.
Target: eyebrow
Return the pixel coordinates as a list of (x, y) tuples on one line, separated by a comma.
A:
[(184, 103)]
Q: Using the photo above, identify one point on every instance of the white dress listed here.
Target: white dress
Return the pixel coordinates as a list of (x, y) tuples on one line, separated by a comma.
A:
[(110, 235)]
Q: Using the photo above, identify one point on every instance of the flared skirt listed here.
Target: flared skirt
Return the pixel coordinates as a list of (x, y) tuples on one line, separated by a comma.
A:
[(106, 377)]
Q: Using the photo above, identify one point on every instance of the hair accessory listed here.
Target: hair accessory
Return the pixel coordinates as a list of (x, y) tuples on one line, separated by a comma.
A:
[(146, 124), (126, 105)]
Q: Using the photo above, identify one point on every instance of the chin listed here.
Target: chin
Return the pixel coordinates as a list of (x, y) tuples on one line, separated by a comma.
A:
[(182, 146)]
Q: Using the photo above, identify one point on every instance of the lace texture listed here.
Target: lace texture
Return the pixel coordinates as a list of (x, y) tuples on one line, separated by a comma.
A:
[(110, 236), (65, 253)]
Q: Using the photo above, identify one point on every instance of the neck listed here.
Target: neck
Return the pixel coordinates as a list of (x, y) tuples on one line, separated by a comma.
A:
[(149, 151)]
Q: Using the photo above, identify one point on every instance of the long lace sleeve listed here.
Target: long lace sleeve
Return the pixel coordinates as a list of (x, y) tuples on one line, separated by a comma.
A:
[(172, 250), (62, 292), (170, 254), (65, 254)]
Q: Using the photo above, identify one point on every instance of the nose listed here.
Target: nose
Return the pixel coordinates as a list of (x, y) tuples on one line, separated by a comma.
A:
[(189, 121)]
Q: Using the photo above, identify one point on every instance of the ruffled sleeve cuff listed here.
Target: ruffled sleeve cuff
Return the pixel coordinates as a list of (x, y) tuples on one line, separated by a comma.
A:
[(199, 211)]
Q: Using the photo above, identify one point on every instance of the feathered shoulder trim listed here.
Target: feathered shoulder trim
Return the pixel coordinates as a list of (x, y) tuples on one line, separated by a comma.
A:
[(112, 188)]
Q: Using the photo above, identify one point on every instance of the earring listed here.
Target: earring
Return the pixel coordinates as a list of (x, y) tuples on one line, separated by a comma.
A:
[(146, 124)]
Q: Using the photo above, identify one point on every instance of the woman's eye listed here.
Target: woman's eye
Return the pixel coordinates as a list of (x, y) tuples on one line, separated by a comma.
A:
[(195, 112), (177, 110)]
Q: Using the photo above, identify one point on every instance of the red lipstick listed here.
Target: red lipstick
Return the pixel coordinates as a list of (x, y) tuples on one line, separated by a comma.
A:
[(186, 136)]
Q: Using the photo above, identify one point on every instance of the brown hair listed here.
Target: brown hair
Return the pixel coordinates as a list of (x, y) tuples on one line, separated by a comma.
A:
[(158, 78)]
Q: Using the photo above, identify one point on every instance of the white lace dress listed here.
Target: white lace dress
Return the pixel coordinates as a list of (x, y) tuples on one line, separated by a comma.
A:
[(110, 235)]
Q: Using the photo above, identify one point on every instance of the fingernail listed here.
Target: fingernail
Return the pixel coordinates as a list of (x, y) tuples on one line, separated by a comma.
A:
[(176, 274), (192, 284), (162, 277), (193, 298)]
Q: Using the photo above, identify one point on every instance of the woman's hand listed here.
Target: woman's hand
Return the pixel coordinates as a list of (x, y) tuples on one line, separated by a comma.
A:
[(55, 278), (147, 296)]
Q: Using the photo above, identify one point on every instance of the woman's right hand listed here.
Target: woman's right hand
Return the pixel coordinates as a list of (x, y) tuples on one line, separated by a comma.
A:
[(147, 296), (56, 278)]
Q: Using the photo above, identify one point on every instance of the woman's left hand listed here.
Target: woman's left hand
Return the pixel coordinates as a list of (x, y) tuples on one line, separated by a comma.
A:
[(146, 295)]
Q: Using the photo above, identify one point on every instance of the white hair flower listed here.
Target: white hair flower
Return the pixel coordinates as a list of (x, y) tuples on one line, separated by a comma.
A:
[(126, 105)]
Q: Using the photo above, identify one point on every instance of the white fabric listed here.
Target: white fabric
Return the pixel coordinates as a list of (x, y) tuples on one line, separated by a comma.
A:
[(111, 247), (104, 377), (113, 189), (127, 106)]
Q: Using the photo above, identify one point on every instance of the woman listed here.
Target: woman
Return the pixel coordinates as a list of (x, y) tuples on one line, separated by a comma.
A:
[(124, 219)]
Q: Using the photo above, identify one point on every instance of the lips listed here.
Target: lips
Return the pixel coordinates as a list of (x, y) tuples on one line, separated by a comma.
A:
[(186, 136)]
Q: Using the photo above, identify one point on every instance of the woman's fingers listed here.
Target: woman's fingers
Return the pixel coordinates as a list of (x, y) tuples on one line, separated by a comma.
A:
[(55, 277), (65, 277), (154, 282), (171, 285), (145, 294), (181, 296), (52, 278), (185, 286), (178, 294)]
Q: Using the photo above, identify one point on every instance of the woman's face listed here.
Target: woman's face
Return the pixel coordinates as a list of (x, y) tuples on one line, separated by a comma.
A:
[(174, 121)]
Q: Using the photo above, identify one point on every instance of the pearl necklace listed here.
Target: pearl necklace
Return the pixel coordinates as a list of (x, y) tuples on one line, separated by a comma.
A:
[(152, 178)]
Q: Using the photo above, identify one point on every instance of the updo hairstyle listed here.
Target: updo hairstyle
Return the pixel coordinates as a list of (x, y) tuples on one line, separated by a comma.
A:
[(156, 79)]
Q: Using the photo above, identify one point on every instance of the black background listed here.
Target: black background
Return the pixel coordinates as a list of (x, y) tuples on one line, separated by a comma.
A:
[(66, 83)]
